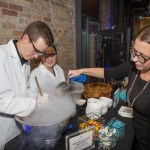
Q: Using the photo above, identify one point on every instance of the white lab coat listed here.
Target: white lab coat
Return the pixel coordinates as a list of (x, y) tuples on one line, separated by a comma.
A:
[(47, 80), (13, 91)]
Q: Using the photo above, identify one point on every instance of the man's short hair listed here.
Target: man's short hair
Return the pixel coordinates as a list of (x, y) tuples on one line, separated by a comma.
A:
[(39, 29)]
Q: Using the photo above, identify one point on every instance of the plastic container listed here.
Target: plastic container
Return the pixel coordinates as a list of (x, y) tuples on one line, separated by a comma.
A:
[(94, 120), (94, 108), (80, 102), (108, 100), (105, 106), (120, 128), (44, 135), (107, 138), (122, 95)]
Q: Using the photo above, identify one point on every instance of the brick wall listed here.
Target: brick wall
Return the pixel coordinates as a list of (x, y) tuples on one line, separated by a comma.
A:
[(15, 15)]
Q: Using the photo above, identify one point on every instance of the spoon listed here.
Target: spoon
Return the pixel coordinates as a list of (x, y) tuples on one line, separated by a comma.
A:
[(63, 87), (37, 83)]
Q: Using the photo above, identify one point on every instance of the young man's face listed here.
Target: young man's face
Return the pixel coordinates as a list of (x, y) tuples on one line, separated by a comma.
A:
[(32, 49)]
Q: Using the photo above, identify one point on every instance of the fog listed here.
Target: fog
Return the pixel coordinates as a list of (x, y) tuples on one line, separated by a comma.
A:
[(52, 109)]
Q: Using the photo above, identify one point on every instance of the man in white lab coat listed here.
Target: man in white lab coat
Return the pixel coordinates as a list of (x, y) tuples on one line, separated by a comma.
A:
[(14, 75)]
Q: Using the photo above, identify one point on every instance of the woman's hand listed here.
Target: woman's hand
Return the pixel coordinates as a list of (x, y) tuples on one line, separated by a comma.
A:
[(74, 73)]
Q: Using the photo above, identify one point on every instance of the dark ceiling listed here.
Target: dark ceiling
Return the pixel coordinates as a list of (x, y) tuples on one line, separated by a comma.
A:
[(140, 7), (137, 4), (137, 7)]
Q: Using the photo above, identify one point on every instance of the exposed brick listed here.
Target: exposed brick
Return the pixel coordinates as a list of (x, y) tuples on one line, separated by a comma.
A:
[(46, 19), (45, 8), (21, 26), (28, 21), (12, 37), (37, 1), (24, 4), (15, 7), (37, 6), (28, 10), (37, 17), (17, 33), (8, 25), (59, 4), (3, 4), (9, 12), (21, 21), (24, 15), (30, 1), (54, 12), (9, 32), (2, 40), (4, 18), (3, 32), (47, 0)]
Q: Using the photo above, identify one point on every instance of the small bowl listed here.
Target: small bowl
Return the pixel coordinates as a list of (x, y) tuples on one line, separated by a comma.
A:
[(108, 100), (80, 102), (92, 100)]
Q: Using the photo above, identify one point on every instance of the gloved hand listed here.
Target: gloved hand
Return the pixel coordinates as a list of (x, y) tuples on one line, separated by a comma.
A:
[(81, 78), (42, 100)]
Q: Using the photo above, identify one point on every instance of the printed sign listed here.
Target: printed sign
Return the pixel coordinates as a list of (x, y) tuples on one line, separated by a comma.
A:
[(81, 142)]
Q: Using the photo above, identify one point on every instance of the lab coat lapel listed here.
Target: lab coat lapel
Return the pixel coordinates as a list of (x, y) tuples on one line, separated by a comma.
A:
[(55, 79), (16, 62), (45, 71)]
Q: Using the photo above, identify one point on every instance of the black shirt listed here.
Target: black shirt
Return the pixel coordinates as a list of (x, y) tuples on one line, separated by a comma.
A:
[(22, 60), (141, 106)]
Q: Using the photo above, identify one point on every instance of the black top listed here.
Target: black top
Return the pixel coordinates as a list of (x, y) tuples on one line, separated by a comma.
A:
[(141, 106), (23, 61)]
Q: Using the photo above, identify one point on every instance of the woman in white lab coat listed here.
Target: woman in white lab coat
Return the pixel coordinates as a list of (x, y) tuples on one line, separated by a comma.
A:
[(48, 73), (14, 75)]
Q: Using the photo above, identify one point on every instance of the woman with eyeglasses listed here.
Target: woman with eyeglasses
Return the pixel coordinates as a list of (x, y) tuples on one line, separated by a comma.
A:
[(49, 74), (138, 88)]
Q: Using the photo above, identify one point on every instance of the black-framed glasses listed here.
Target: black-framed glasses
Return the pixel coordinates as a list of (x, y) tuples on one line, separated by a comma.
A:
[(141, 58), (36, 50)]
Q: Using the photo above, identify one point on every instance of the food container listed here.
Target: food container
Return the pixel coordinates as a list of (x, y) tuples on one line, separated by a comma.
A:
[(107, 137), (108, 100), (99, 104), (43, 135), (105, 106), (120, 128), (81, 139), (94, 108), (80, 102), (93, 120), (96, 90), (92, 100)]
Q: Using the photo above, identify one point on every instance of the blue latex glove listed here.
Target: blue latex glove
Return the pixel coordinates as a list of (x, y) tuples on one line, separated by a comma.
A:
[(81, 78)]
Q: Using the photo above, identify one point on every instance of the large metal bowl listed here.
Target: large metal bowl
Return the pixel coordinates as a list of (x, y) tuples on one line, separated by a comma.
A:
[(43, 134)]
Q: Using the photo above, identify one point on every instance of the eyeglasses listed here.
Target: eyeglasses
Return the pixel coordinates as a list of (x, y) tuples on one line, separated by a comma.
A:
[(49, 55), (141, 58), (36, 50)]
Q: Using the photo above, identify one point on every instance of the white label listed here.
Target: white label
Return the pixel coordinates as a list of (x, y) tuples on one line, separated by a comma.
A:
[(81, 141)]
